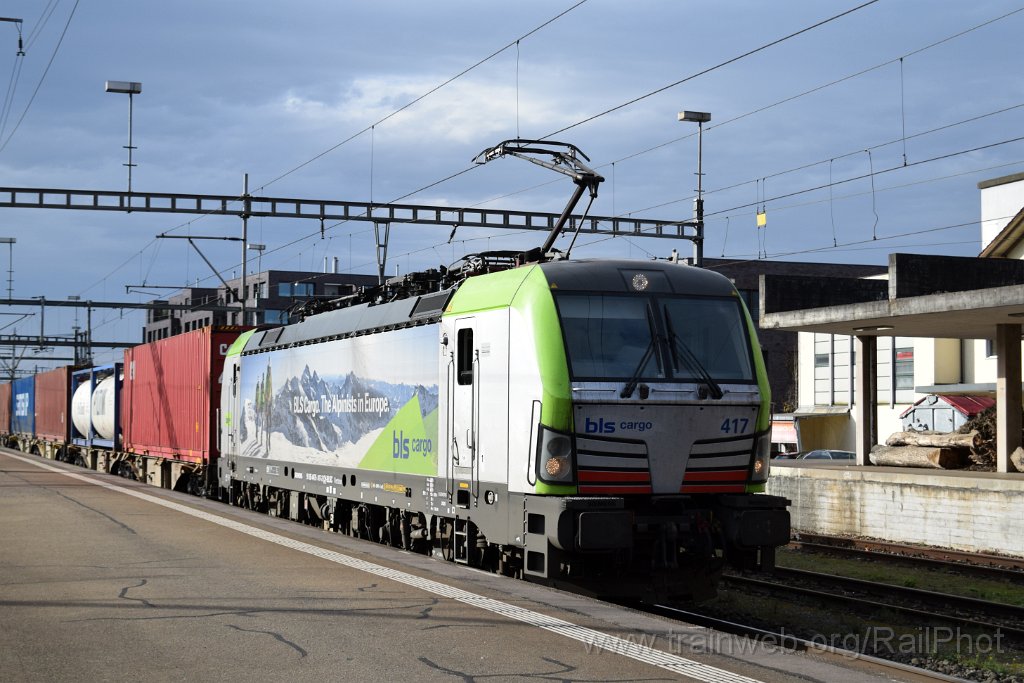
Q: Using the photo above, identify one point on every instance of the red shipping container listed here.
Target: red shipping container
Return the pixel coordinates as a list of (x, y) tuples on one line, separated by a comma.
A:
[(171, 395), (53, 405), (5, 408)]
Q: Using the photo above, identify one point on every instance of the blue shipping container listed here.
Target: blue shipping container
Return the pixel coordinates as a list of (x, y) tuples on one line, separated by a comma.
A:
[(23, 406)]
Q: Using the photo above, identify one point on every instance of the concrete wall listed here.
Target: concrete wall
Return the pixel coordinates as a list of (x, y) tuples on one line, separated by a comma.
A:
[(976, 512)]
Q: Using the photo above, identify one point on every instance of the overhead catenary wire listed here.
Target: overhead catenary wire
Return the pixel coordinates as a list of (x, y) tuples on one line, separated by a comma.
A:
[(805, 93), (872, 148), (12, 87), (929, 46), (44, 18), (42, 78), (710, 69), (779, 208), (428, 93), (872, 174), (759, 202), (404, 107), (829, 84), (466, 170)]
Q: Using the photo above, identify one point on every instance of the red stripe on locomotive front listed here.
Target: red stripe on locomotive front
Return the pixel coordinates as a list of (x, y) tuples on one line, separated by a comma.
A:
[(724, 488), (727, 475), (612, 476), (605, 490)]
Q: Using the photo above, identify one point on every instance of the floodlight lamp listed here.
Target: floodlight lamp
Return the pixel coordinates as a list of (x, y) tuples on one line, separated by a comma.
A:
[(695, 116), (126, 87)]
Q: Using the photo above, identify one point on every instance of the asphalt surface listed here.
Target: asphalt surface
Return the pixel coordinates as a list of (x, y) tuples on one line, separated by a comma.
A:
[(102, 579)]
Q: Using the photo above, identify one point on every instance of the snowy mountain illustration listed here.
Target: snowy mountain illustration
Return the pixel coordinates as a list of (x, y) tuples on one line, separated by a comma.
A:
[(328, 429)]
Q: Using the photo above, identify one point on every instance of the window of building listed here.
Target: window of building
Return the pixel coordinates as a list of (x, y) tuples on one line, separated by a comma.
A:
[(295, 289), (904, 368), (272, 317)]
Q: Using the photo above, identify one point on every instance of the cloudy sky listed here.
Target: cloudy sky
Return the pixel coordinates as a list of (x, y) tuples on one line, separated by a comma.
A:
[(858, 135)]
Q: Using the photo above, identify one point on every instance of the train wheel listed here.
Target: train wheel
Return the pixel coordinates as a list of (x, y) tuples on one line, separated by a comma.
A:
[(444, 538), (196, 485)]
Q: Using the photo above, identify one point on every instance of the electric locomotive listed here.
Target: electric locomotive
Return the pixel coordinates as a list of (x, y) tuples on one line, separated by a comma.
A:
[(597, 424)]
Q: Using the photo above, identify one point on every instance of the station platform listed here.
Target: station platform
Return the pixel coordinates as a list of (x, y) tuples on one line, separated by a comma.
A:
[(110, 579), (979, 512)]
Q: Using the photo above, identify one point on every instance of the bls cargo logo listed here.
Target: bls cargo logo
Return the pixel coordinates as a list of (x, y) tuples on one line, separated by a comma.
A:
[(402, 446), (603, 426)]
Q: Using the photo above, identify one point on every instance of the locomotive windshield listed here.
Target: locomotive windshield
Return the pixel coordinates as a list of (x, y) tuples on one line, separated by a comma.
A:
[(611, 337)]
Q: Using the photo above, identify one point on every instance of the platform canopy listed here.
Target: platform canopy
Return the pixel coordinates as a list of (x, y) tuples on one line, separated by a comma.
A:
[(941, 297)]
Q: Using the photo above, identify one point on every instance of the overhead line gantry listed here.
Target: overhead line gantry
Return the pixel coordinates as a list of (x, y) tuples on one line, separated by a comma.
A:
[(333, 210)]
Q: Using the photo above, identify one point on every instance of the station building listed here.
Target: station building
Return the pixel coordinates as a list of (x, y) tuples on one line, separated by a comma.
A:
[(933, 332), (909, 370)]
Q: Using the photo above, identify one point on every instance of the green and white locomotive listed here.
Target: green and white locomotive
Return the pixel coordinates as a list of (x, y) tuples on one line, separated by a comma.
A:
[(600, 424), (596, 423)]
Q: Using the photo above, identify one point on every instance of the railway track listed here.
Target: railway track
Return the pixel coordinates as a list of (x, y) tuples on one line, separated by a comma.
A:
[(784, 640), (974, 564), (925, 607)]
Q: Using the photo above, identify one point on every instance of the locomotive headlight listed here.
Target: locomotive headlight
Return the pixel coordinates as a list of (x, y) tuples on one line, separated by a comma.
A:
[(557, 446), (556, 468), (555, 458), (762, 453)]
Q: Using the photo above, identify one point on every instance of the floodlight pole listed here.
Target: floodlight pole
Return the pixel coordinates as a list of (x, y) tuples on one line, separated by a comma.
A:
[(258, 248), (698, 117), (130, 88), (131, 111), (9, 241), (246, 208)]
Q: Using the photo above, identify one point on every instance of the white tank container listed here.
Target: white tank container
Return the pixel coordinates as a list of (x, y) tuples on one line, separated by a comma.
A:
[(81, 409), (97, 407), (103, 402)]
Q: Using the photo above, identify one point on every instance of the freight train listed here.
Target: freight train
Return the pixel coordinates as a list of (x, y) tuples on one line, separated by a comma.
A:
[(150, 416), (602, 425)]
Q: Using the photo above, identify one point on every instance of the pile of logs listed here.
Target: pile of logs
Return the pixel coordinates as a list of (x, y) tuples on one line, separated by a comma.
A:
[(926, 449), (973, 447), (984, 456)]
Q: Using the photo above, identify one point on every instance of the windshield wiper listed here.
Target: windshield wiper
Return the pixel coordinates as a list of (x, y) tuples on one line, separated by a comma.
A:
[(627, 390), (634, 379), (679, 347)]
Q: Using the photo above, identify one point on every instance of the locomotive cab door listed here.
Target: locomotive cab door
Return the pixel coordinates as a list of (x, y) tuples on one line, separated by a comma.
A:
[(464, 393)]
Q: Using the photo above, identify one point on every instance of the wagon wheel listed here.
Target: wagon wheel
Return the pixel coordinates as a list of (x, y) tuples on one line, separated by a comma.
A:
[(196, 486)]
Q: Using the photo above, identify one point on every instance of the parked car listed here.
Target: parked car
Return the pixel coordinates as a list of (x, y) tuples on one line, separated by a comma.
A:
[(828, 454)]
